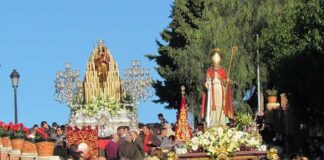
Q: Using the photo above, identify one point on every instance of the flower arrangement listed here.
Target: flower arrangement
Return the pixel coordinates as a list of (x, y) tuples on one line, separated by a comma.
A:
[(12, 130), (230, 140), (19, 131), (272, 92), (41, 135), (5, 129), (100, 103), (243, 121)]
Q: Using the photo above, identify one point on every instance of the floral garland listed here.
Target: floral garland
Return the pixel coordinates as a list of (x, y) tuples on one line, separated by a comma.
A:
[(228, 140)]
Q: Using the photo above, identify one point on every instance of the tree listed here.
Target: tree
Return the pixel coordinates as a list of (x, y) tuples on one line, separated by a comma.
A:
[(197, 27), (293, 51)]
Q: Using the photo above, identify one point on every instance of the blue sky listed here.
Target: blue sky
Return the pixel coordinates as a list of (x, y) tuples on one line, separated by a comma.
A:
[(38, 37)]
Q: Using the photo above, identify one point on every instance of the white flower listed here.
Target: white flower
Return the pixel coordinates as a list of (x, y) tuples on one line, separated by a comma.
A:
[(220, 131), (195, 147), (181, 151)]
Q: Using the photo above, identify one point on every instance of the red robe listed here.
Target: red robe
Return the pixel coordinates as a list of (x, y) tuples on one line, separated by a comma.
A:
[(227, 104)]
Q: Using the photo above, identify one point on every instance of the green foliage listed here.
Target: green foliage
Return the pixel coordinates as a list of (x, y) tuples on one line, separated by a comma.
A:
[(197, 27), (272, 92), (293, 50), (243, 121)]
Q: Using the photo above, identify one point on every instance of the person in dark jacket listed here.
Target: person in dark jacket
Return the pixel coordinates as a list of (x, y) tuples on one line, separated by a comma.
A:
[(127, 150), (138, 145), (60, 145)]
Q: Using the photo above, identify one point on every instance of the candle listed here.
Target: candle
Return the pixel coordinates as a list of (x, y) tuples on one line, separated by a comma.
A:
[(67, 65), (202, 109), (133, 61)]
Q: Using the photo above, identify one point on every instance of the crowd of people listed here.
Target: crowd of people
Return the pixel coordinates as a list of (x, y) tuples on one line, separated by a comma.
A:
[(147, 142), (150, 140)]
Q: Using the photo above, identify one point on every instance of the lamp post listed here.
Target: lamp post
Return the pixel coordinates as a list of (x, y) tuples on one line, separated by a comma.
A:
[(14, 80)]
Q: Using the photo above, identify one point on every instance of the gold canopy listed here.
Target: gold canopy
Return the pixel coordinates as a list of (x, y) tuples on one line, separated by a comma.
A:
[(102, 76)]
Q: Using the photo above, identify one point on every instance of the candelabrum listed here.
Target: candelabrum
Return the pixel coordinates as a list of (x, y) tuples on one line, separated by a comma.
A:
[(136, 85), (67, 86)]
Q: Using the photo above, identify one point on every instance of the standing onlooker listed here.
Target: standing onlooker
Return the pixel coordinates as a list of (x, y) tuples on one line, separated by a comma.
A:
[(149, 139), (127, 150), (138, 146), (53, 130), (112, 148), (45, 126), (60, 145), (126, 130), (60, 136), (162, 120), (35, 127), (120, 133), (164, 138)]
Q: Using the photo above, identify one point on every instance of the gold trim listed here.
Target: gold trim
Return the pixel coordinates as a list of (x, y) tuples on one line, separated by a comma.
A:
[(272, 154)]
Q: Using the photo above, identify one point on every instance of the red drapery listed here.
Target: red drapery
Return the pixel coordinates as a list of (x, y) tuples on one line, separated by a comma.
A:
[(86, 135)]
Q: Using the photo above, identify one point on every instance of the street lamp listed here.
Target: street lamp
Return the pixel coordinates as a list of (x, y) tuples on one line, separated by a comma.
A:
[(14, 80)]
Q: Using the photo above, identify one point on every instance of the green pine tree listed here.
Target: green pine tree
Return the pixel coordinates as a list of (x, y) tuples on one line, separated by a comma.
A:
[(197, 27)]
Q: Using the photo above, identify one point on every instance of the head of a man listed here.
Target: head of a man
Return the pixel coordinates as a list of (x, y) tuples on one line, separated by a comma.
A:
[(35, 127), (128, 138), (160, 116), (120, 130), (59, 131), (133, 135), (126, 130), (115, 137), (54, 125), (44, 124), (84, 149), (146, 129)]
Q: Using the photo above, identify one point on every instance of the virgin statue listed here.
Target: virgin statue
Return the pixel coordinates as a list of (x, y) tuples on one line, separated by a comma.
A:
[(101, 62), (219, 96)]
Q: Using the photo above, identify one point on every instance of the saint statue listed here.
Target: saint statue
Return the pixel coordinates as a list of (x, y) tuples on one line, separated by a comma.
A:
[(101, 62), (219, 97)]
